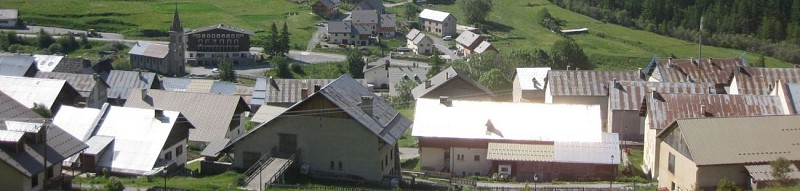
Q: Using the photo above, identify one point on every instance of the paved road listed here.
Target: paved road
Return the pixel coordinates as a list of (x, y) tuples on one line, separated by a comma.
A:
[(407, 153), (550, 185), (315, 37), (387, 5), (60, 31), (443, 48), (315, 57)]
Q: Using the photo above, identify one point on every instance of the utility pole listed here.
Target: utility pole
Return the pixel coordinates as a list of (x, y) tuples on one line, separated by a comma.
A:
[(700, 41), (44, 151)]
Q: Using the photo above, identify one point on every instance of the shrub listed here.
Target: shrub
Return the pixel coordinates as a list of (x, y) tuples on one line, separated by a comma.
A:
[(297, 69), (114, 184)]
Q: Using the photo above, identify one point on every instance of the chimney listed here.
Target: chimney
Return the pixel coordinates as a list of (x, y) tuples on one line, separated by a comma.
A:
[(710, 59), (703, 109), (388, 63), (641, 75), (317, 87), (567, 67), (304, 93), (535, 83), (144, 94), (576, 68), (445, 100), (159, 114), (447, 75), (366, 104)]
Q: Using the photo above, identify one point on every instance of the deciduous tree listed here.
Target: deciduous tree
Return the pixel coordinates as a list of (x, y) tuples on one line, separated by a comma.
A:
[(475, 10), (355, 64), (567, 52)]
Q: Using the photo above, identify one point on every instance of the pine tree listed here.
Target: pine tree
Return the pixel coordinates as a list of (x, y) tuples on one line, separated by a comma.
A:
[(272, 42), (284, 40), (44, 40), (795, 11)]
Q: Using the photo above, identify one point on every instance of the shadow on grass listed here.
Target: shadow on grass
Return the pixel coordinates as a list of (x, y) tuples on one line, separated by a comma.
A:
[(497, 27)]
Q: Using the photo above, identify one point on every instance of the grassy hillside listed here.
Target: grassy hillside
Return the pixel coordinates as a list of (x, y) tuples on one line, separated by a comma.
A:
[(130, 17), (514, 25)]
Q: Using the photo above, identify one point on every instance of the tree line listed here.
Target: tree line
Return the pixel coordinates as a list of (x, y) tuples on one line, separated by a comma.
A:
[(770, 27), (43, 43)]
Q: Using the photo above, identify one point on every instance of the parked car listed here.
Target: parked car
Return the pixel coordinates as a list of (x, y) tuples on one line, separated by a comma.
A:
[(403, 49), (447, 38), (215, 70)]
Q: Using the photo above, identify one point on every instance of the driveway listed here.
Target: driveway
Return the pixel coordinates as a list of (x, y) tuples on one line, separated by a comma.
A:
[(315, 37), (306, 57), (60, 31), (388, 5), (443, 48)]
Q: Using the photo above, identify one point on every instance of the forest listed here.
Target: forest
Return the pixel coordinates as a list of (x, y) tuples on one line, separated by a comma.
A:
[(769, 27)]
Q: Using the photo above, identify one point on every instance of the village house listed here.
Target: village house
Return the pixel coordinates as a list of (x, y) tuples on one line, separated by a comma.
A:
[(660, 110), (272, 97), (483, 47), (51, 93), (154, 57), (123, 82), (356, 135), (788, 93), (697, 153), (211, 45), (92, 88), (22, 137), (326, 9), (454, 84), (438, 22), (18, 65), (468, 41), (81, 123), (130, 141), (711, 70), (362, 28), (528, 85), (760, 81), (8, 18), (375, 5), (46, 63), (463, 138), (625, 99), (214, 116), (419, 43), (585, 87), (383, 76), (76, 65)]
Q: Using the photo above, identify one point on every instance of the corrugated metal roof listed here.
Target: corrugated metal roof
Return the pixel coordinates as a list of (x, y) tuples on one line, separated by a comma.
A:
[(589, 152), (585, 82), (483, 47), (345, 92), (412, 34), (149, 49), (285, 90), (15, 65), (34, 90), (80, 65), (46, 63), (78, 122), (446, 75), (629, 95), (739, 140), (84, 83), (6, 14), (532, 78), (663, 109), (763, 172), (433, 15), (213, 149), (794, 95), (97, 144), (364, 17), (511, 121), (221, 87), (267, 113), (246, 92), (220, 26), (29, 161), (210, 114), (138, 138), (759, 81), (123, 82), (176, 84), (716, 71), (25, 127), (520, 152), (370, 5)]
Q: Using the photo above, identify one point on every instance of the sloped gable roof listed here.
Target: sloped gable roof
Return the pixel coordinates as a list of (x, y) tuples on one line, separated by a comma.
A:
[(149, 49), (35, 90), (435, 15), (123, 82), (759, 81), (663, 109), (469, 39), (445, 76), (16, 65), (629, 95), (222, 27), (210, 114), (711, 70), (83, 83), (585, 82)]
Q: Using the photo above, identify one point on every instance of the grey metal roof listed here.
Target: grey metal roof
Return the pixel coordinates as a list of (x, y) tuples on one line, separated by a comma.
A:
[(329, 3), (267, 113), (388, 20), (531, 78), (412, 34), (450, 74), (469, 39), (793, 89), (663, 109), (738, 140), (345, 92), (223, 27), (7, 136), (123, 82), (46, 63), (97, 144), (364, 17), (287, 91), (60, 144), (80, 65), (213, 149), (483, 47), (36, 90), (370, 5), (175, 84), (340, 27), (149, 49), (421, 37), (585, 82), (763, 172), (16, 65), (435, 15), (758, 81), (211, 114), (629, 95), (84, 83), (8, 14), (222, 87)]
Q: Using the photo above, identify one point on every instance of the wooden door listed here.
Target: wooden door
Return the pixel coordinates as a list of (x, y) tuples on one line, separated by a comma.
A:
[(287, 143)]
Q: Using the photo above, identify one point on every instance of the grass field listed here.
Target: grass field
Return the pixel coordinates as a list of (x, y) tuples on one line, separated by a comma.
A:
[(514, 25), (130, 17), (216, 182)]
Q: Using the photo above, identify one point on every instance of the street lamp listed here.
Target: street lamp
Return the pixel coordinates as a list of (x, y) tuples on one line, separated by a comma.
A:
[(165, 179), (611, 183), (535, 179)]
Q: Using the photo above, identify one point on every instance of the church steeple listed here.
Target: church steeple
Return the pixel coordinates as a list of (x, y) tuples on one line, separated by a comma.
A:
[(176, 21)]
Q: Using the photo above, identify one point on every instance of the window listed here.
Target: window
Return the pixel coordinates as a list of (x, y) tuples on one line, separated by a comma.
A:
[(332, 166), (671, 163), (191, 55), (179, 150), (459, 157), (49, 173), (35, 180), (386, 159), (477, 173), (168, 155), (340, 165), (477, 158)]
